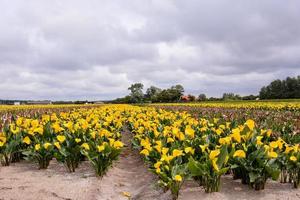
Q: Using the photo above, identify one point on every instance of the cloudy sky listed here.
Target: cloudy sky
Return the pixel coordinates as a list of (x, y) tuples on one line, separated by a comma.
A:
[(94, 49)]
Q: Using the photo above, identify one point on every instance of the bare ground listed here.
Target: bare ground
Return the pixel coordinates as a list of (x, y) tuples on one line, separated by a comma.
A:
[(129, 174)]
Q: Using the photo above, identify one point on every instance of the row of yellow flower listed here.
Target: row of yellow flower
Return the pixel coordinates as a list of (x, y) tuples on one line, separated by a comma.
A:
[(69, 137), (178, 147), (272, 105)]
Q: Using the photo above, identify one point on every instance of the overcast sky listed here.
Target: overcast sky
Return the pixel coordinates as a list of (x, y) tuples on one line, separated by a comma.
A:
[(94, 49)]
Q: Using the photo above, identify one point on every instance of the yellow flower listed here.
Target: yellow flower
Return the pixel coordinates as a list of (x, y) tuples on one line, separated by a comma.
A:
[(14, 129), (85, 146), (111, 141), (225, 140), (239, 154), (157, 164), (258, 140), (178, 178), (296, 147), (280, 143), (145, 152), (45, 118), (100, 148), (57, 145), (251, 124), (219, 131), (293, 158), (47, 145), (269, 132), (118, 144), (175, 130), (34, 123), (19, 121), (93, 134), (61, 138), (213, 154), (189, 150), (39, 130), (236, 135), (181, 136), (158, 170), (77, 140), (37, 147), (27, 140), (203, 147), (170, 140), (166, 158), (177, 153), (274, 144), (214, 164), (288, 149), (57, 128), (272, 154), (164, 150), (2, 139), (222, 127), (189, 131)]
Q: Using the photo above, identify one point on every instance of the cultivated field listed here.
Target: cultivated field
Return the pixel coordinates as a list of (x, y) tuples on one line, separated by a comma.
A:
[(211, 150)]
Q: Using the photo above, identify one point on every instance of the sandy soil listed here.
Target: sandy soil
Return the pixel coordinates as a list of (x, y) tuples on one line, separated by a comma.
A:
[(129, 174), (233, 189)]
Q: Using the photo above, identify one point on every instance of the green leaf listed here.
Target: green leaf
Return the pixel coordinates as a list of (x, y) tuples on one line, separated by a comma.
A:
[(222, 156), (273, 172), (253, 177), (196, 168), (234, 166), (222, 171)]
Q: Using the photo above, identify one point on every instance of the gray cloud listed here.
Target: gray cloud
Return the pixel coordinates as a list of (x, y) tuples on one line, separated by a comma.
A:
[(95, 49)]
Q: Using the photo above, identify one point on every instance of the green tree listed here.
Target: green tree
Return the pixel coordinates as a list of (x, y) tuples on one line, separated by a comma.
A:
[(136, 92), (152, 93), (280, 89), (175, 92), (202, 97), (191, 97)]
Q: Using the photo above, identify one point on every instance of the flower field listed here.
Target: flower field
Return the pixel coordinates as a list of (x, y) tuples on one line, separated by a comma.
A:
[(177, 143), (268, 105)]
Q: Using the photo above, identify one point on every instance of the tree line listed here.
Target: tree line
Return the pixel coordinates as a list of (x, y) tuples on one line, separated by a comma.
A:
[(153, 94), (175, 93), (281, 89), (277, 89)]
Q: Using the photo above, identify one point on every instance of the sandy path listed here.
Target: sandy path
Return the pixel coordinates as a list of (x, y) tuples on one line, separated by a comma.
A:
[(130, 174)]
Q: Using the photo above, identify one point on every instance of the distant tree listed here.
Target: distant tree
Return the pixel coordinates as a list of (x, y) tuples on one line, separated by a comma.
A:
[(191, 97), (281, 89), (126, 99), (202, 97), (249, 97), (231, 96), (172, 94), (136, 92), (152, 93), (175, 92), (214, 99), (228, 96)]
